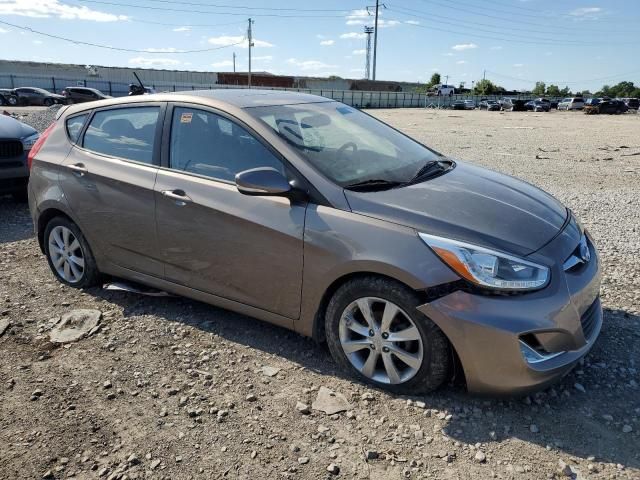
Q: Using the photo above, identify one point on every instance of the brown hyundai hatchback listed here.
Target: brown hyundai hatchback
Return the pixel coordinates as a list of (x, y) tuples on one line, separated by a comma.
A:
[(312, 215)]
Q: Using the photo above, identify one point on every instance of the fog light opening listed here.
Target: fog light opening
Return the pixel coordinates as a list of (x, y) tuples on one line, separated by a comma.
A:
[(533, 352)]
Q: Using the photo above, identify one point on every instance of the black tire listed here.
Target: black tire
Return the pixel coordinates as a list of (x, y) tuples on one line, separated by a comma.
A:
[(91, 275), (436, 363), (48, 102), (12, 100)]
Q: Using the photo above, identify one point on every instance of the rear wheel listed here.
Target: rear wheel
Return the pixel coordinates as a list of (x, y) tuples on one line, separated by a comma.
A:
[(69, 255), (375, 331)]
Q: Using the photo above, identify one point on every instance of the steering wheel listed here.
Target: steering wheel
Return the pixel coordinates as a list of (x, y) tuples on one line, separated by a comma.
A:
[(344, 147)]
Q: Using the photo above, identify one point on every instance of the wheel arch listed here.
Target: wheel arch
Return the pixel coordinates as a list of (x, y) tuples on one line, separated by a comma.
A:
[(44, 218)]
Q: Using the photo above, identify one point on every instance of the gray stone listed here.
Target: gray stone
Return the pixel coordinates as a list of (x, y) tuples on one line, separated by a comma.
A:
[(303, 460), (333, 469), (270, 371), (330, 402), (4, 325), (371, 455), (75, 325), (303, 408), (627, 429), (480, 457)]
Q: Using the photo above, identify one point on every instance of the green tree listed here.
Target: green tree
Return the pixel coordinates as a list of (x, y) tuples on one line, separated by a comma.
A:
[(553, 91), (539, 89), (435, 80), (486, 87), (565, 92)]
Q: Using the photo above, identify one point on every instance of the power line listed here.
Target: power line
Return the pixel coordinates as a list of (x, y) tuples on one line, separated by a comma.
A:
[(548, 42), (245, 7), (412, 13), (205, 12), (109, 47)]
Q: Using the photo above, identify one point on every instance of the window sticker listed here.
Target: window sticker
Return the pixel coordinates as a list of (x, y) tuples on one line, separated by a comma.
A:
[(186, 117)]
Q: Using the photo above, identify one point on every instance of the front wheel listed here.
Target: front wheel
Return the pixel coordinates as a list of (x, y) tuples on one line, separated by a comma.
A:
[(48, 102), (375, 331), (69, 255)]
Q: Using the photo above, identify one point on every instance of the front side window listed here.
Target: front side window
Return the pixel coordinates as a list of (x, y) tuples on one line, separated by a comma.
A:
[(344, 144), (74, 126), (127, 133), (211, 145)]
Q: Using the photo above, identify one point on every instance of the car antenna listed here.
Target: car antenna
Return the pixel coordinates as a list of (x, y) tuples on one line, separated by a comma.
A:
[(136, 89)]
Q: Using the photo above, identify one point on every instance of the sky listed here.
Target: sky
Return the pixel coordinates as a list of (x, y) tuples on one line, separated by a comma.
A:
[(582, 44)]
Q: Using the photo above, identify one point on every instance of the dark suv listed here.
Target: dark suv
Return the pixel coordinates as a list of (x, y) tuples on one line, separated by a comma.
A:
[(16, 139)]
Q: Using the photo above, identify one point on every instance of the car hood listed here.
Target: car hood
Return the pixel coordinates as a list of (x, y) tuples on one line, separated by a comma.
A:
[(12, 128), (470, 204)]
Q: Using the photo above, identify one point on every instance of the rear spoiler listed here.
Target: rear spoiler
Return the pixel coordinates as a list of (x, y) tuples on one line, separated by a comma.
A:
[(61, 111)]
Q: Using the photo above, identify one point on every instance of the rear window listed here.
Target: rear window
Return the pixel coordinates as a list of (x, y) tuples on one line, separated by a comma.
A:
[(127, 133), (74, 126)]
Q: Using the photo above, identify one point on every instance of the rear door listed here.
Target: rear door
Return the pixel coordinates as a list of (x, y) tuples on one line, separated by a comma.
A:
[(212, 237), (108, 179)]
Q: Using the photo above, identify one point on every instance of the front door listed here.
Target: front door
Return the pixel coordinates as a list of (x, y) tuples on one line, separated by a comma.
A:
[(212, 237), (108, 180)]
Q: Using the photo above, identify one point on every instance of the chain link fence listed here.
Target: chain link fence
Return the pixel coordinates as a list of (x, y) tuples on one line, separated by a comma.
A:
[(355, 98)]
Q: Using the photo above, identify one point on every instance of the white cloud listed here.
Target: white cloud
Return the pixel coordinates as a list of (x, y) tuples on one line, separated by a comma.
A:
[(435, 69), (359, 52), (263, 58), (326, 43), (388, 23), (496, 47), (3, 30), (182, 29), (53, 8), (461, 62), (153, 62), (37, 42), (359, 17), (223, 63), (309, 65), (518, 65), (227, 40), (585, 11), (448, 54), (464, 46), (412, 22), (353, 35)]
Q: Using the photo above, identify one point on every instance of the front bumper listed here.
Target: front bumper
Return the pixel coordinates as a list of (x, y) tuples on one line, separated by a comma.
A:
[(486, 331), (14, 173)]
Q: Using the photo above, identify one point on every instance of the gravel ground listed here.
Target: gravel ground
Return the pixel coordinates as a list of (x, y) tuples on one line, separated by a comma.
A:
[(171, 388)]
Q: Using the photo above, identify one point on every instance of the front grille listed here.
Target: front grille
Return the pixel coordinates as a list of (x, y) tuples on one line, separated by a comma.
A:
[(4, 165), (589, 319), (10, 148)]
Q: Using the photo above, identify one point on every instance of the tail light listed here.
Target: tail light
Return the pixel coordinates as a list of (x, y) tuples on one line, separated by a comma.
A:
[(38, 145)]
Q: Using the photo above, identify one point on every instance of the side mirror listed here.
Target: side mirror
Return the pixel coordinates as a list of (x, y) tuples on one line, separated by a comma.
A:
[(263, 181)]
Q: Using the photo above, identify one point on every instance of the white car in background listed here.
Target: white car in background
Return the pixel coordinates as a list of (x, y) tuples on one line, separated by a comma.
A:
[(442, 90), (571, 103)]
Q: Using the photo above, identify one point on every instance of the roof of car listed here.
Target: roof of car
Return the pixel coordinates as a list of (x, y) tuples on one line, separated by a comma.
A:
[(245, 98)]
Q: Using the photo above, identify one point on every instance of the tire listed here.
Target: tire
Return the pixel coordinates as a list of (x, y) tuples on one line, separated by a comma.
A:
[(90, 274), (432, 360), (48, 102), (13, 101)]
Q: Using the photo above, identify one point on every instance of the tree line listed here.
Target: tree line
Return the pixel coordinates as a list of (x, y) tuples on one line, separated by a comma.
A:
[(487, 87)]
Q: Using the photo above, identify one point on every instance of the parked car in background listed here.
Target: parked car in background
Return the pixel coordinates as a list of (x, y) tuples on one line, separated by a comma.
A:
[(469, 105), (443, 90), (632, 103), (554, 103), (83, 94), (513, 105), (538, 106), (459, 105), (312, 215), (489, 105), (8, 97), (16, 140), (605, 106), (571, 103), (29, 96)]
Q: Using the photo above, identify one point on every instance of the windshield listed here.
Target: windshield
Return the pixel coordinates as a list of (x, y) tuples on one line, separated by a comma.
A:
[(344, 144)]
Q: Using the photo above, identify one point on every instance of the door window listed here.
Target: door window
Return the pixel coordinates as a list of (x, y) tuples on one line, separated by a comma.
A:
[(127, 133), (74, 126), (211, 145)]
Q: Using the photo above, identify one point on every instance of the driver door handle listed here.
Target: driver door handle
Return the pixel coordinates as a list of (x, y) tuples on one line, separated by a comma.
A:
[(78, 168), (179, 196)]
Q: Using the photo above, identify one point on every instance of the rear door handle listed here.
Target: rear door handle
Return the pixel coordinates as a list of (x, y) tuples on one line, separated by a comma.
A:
[(179, 196), (78, 168)]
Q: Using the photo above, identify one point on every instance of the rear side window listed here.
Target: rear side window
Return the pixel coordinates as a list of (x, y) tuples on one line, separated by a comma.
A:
[(74, 126), (127, 133)]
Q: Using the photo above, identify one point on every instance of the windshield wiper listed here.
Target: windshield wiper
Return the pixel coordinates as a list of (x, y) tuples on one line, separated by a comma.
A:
[(429, 169), (374, 184)]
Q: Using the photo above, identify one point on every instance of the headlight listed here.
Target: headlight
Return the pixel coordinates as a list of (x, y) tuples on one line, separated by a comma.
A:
[(30, 141), (488, 268)]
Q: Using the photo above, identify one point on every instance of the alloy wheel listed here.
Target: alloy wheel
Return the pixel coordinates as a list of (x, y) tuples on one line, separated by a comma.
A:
[(380, 340), (66, 254)]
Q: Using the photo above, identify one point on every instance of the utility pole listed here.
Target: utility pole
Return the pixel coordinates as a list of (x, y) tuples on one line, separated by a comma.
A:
[(375, 35), (446, 82), (250, 45), (484, 75), (234, 62), (367, 69)]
